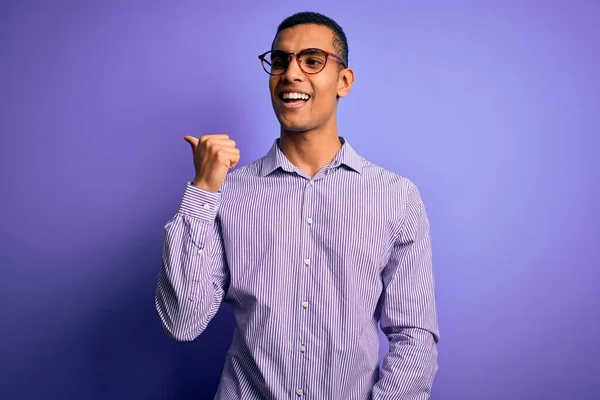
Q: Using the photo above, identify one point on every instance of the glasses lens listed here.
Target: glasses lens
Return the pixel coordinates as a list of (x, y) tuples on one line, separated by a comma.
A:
[(312, 60), (276, 62)]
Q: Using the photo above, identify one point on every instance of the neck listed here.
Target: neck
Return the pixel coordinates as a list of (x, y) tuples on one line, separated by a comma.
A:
[(310, 150)]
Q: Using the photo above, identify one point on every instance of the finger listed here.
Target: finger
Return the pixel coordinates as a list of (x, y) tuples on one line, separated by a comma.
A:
[(191, 140), (232, 164), (230, 158), (214, 136), (220, 142), (227, 143), (230, 152)]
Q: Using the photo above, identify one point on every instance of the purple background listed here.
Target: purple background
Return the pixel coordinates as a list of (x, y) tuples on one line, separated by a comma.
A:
[(492, 108)]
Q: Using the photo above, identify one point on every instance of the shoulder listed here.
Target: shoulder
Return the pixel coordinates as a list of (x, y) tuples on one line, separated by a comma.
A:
[(399, 195), (392, 182)]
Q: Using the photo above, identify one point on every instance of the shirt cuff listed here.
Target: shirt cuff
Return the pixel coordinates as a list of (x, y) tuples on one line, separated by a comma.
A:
[(199, 203)]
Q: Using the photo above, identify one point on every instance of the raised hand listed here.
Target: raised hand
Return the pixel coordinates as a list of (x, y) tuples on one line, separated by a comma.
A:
[(214, 155)]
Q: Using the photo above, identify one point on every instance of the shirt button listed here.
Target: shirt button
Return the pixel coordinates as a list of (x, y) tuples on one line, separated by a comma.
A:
[(305, 304), (312, 183), (206, 206), (309, 220), (299, 392), (200, 251), (307, 261), (302, 348)]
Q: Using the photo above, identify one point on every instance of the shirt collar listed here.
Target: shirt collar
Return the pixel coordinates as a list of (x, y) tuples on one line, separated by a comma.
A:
[(275, 159)]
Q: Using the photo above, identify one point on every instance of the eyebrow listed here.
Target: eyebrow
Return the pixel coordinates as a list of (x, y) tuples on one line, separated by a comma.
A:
[(314, 49)]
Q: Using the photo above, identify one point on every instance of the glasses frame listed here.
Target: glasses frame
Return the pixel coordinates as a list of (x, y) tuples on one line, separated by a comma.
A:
[(328, 54)]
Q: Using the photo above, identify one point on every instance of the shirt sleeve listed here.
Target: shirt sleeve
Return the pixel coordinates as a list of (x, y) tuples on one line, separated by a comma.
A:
[(194, 275), (408, 314)]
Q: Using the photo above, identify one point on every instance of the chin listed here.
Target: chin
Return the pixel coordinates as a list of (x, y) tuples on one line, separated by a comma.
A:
[(294, 127)]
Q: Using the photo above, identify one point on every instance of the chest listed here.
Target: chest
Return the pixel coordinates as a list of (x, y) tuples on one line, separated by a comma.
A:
[(344, 231)]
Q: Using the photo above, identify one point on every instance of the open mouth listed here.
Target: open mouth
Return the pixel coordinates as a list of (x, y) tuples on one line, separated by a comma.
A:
[(295, 99)]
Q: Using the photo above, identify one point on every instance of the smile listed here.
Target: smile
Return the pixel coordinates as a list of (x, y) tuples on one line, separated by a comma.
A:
[(294, 99)]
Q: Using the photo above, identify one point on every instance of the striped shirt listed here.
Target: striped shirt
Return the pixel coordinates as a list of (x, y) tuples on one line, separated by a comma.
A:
[(309, 265)]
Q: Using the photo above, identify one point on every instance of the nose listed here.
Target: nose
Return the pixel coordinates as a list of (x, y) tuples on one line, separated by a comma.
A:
[(293, 71)]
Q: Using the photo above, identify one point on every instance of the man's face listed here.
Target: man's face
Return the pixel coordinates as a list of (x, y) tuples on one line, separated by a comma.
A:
[(322, 88)]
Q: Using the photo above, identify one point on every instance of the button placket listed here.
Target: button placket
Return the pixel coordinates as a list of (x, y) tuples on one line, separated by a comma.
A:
[(306, 262)]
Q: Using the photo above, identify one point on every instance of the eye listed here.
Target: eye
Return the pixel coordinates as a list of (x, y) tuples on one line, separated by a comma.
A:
[(278, 63), (278, 59), (313, 61)]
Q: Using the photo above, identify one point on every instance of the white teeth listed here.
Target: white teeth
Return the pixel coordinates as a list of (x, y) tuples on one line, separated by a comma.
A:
[(294, 96)]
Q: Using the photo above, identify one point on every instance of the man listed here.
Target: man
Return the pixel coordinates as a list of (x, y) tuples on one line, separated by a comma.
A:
[(312, 245)]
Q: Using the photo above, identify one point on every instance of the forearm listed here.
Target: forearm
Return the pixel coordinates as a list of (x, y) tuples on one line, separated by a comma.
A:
[(191, 280), (409, 367), (409, 317)]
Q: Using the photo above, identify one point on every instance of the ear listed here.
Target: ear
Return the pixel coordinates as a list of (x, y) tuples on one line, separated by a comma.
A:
[(345, 81)]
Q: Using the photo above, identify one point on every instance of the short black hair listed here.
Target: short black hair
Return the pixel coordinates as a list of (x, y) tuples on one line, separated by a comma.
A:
[(340, 43)]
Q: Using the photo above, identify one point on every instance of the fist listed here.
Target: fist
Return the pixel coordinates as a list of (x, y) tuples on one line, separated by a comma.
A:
[(214, 155)]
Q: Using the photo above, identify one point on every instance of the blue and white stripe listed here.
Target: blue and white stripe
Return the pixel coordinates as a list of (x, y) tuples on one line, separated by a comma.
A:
[(309, 266)]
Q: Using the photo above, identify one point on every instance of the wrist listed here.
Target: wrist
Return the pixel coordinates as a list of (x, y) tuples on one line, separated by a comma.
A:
[(204, 186)]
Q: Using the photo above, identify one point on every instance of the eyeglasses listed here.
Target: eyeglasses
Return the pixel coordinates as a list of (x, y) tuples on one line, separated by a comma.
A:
[(310, 61)]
